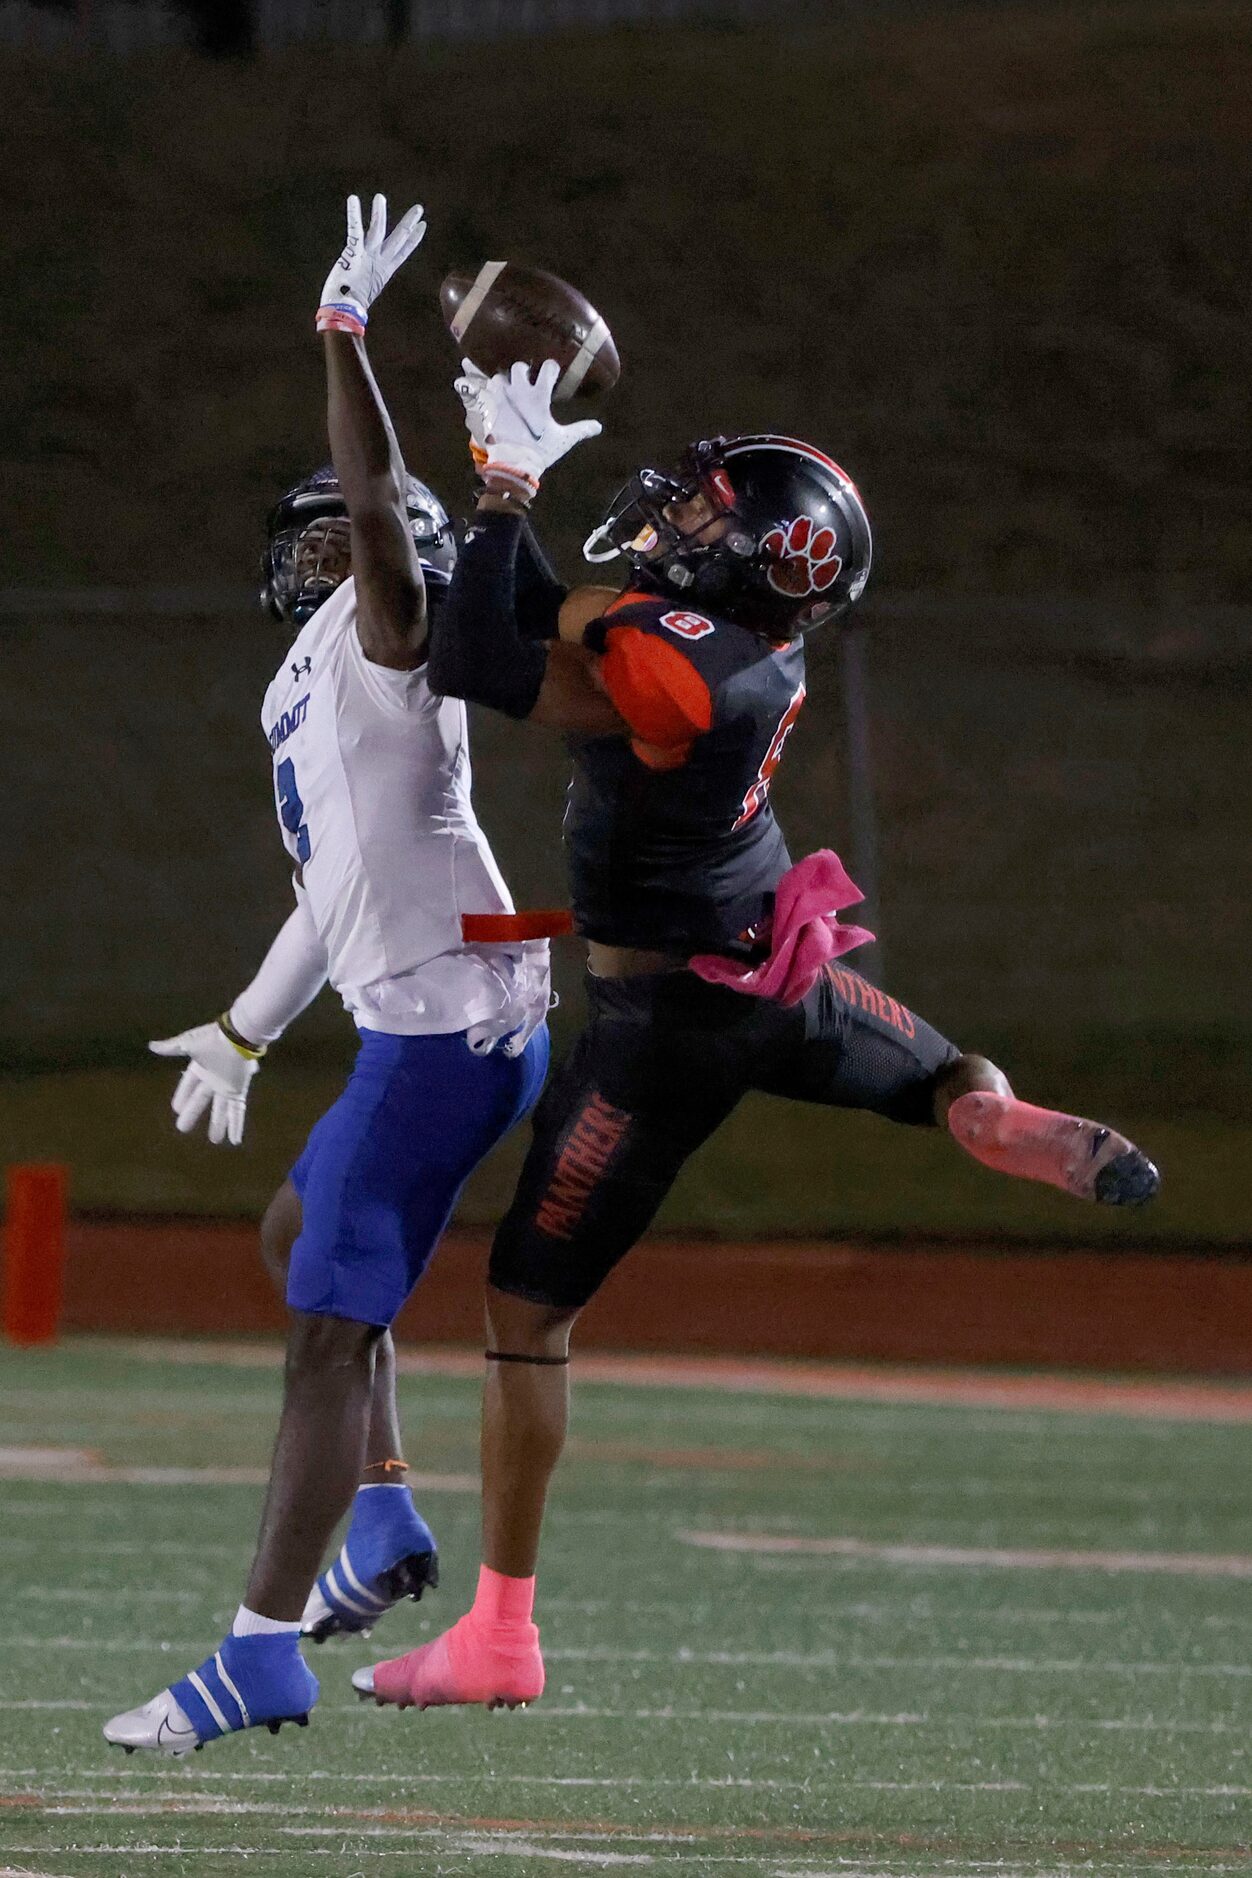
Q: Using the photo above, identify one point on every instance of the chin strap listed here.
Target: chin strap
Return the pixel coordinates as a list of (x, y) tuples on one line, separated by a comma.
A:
[(595, 549), (511, 1356)]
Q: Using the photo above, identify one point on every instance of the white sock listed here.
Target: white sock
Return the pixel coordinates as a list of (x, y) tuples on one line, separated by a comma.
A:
[(251, 1624)]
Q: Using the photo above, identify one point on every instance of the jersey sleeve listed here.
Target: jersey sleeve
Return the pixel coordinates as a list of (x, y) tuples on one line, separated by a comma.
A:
[(656, 686)]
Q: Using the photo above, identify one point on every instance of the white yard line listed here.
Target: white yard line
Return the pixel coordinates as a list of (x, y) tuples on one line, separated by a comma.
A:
[(81, 1467), (107, 1646), (452, 1844), (539, 1839), (106, 1798), (791, 1867), (900, 1611), (828, 1718), (859, 1718), (980, 1558), (105, 1594), (156, 1851), (15, 1461), (521, 1848), (835, 1660), (36, 1704), (129, 1548), (370, 1819), (454, 1837), (728, 1659)]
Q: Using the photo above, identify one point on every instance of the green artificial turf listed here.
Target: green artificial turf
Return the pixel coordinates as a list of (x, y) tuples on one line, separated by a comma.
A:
[(718, 1712)]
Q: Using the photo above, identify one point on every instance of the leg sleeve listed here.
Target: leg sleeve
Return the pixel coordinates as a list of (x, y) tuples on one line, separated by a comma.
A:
[(626, 1109), (860, 1049)]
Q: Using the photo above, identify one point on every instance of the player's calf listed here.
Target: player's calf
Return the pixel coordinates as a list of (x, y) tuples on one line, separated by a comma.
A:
[(389, 1554), (248, 1682)]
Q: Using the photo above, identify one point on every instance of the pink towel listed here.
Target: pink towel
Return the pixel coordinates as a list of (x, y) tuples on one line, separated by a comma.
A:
[(804, 933)]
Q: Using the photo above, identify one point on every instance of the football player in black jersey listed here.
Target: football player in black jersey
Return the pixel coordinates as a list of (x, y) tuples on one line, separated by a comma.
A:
[(679, 691)]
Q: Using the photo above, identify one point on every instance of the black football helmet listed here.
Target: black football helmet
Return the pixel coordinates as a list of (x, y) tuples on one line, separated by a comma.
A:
[(304, 560), (796, 549)]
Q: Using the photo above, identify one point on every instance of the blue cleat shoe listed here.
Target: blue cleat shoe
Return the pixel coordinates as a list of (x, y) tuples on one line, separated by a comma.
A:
[(249, 1682), (389, 1554)]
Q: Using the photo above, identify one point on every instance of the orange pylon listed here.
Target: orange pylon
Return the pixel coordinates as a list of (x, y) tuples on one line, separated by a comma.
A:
[(34, 1251)]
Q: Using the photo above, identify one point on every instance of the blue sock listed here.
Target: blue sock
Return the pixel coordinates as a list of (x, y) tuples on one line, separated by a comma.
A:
[(385, 1527), (246, 1682)]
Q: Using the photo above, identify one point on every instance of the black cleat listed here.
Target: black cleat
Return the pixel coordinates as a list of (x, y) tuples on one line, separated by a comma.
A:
[(1129, 1179)]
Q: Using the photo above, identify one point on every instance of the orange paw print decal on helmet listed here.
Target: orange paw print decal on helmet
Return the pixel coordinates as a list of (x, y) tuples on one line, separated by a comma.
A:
[(803, 558)]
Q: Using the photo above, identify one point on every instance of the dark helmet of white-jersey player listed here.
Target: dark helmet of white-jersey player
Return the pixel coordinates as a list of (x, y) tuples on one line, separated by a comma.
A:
[(308, 545), (781, 542)]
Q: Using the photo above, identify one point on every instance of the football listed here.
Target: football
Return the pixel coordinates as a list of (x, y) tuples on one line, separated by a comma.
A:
[(503, 313)]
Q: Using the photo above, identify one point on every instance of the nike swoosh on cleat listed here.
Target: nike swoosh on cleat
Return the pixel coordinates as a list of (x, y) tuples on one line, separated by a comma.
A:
[(175, 1737)]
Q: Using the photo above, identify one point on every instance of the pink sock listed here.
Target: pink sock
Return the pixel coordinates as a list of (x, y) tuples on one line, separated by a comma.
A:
[(503, 1600), (1032, 1143), (1082, 1158), (490, 1655)]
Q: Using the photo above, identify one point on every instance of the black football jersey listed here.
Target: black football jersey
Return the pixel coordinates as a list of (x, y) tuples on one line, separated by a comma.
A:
[(671, 836)]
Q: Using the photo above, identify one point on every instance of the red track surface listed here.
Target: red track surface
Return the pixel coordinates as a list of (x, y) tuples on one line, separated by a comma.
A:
[(929, 1303)]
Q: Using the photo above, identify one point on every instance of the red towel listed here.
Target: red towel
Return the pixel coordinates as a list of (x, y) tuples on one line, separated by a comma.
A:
[(804, 934)]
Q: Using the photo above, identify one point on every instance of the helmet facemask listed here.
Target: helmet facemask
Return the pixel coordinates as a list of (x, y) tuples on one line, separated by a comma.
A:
[(308, 554), (309, 562), (686, 561), (792, 544)]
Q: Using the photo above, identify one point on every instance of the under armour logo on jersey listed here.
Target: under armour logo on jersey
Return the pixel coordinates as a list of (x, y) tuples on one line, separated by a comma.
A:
[(804, 558), (298, 670)]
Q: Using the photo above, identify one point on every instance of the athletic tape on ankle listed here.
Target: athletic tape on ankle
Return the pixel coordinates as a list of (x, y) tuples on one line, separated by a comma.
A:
[(509, 1356)]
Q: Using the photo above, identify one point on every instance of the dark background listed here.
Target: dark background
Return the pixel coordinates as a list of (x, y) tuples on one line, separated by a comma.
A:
[(995, 260)]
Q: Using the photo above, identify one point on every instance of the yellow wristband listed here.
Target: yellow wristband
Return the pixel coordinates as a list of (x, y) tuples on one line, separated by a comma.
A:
[(251, 1050)]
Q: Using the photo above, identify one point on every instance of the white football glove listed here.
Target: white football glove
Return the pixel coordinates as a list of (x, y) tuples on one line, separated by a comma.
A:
[(473, 388), (216, 1078), (510, 418), (368, 261), (531, 999)]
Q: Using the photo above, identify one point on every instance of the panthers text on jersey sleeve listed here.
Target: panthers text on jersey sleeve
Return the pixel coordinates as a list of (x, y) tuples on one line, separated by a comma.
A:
[(372, 789), (672, 840)]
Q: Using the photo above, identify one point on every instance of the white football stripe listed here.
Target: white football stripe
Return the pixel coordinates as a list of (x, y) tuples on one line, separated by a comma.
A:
[(197, 1683), (572, 377), (222, 1672), (335, 1583), (344, 1565), (488, 274)]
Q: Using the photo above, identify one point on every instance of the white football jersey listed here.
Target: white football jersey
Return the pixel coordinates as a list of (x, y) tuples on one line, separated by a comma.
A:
[(372, 788)]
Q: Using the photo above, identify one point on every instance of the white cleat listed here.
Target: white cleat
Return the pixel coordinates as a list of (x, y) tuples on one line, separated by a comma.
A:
[(159, 1727), (322, 1620), (363, 1682)]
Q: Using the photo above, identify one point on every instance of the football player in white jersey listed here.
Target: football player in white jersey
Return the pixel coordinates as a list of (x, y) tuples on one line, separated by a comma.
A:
[(399, 904)]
